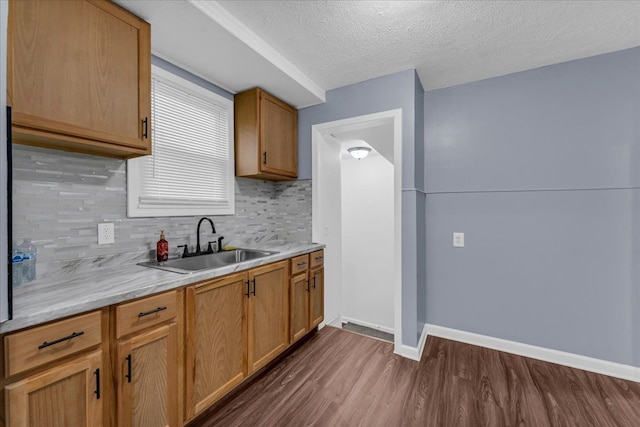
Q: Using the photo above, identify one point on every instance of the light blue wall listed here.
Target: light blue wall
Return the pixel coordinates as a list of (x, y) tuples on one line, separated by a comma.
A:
[(419, 134), (567, 126), (372, 96), (368, 97), (541, 171), (420, 206)]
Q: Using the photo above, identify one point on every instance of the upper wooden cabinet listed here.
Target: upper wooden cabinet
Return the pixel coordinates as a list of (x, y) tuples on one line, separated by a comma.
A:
[(266, 133), (79, 77)]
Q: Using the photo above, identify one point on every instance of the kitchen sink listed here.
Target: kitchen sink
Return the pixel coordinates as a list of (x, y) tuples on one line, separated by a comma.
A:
[(207, 262)]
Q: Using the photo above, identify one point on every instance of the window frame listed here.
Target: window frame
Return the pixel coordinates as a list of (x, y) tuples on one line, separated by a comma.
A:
[(134, 209)]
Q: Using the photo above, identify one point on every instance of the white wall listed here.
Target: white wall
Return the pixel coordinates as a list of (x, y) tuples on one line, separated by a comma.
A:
[(368, 241), (327, 227)]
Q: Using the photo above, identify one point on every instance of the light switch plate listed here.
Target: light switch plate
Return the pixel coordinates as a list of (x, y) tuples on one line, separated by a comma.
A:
[(106, 233), (458, 240)]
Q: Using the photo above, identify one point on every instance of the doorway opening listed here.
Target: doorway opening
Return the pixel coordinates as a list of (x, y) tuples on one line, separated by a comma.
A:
[(357, 215)]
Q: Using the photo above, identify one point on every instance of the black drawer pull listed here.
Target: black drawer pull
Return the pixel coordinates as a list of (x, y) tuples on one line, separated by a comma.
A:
[(248, 289), (254, 287), (97, 392), (314, 282), (300, 264), (307, 286), (128, 374), (318, 258), (59, 340), (264, 158), (156, 310), (145, 124)]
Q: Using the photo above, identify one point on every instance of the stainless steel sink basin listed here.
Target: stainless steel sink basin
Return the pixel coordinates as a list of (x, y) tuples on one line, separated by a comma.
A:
[(207, 262)]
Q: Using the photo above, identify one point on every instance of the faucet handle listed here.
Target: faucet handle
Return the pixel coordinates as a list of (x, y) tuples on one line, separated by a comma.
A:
[(185, 253), (210, 248)]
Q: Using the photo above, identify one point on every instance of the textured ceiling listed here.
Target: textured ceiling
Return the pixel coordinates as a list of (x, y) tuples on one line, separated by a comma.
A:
[(336, 43)]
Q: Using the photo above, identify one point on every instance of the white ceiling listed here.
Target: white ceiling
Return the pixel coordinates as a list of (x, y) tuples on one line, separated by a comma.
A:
[(205, 39), (299, 49)]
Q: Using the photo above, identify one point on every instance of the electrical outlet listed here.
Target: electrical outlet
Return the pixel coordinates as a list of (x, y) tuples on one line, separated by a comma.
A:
[(458, 240), (106, 234)]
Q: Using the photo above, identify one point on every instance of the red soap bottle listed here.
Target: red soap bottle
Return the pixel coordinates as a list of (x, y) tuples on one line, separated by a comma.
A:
[(162, 248)]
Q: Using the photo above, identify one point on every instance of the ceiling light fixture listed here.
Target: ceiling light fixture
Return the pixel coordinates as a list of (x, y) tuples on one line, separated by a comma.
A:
[(359, 152)]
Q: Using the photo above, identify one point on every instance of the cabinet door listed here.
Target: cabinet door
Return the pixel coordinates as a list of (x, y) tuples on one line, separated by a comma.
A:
[(78, 72), (216, 340), (268, 313), (316, 304), (68, 395), (299, 300), (147, 375), (279, 140)]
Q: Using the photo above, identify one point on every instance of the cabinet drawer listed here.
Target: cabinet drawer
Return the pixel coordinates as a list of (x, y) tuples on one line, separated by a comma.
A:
[(137, 315), (317, 259), (299, 264), (37, 346)]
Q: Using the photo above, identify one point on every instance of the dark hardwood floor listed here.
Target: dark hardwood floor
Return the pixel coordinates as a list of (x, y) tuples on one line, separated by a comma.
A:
[(338, 378)]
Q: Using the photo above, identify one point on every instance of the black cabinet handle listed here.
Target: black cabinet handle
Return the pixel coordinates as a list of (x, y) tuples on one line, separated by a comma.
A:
[(307, 286), (145, 128), (300, 264), (318, 258), (59, 340), (97, 391), (128, 374), (254, 287), (264, 158), (314, 282), (248, 289), (155, 310)]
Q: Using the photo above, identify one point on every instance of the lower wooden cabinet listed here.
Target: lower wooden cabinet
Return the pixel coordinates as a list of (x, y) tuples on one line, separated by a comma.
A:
[(234, 326), (306, 294), (147, 379), (316, 297), (299, 310), (158, 361), (216, 327), (68, 395), (268, 327)]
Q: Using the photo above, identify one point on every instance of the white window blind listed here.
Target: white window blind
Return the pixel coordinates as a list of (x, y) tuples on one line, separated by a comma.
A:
[(190, 171)]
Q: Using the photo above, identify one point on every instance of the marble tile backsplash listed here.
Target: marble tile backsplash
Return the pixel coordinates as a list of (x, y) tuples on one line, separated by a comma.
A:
[(59, 198)]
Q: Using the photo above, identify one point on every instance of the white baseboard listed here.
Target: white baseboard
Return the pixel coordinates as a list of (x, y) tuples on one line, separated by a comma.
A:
[(413, 353), (333, 322), (368, 325), (577, 361)]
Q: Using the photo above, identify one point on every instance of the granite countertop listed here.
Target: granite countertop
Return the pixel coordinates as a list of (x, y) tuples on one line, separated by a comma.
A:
[(45, 300)]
